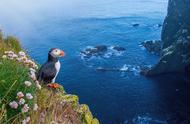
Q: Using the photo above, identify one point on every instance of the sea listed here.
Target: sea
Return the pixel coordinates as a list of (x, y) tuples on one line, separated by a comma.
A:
[(114, 97)]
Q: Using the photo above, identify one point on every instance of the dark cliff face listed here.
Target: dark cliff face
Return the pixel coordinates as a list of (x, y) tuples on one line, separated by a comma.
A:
[(175, 56)]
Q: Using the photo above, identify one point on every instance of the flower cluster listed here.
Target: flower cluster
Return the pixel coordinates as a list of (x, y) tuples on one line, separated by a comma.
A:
[(32, 74), (21, 101), (20, 57)]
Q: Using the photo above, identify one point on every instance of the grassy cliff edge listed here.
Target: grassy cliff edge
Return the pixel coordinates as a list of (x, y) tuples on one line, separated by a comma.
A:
[(24, 100)]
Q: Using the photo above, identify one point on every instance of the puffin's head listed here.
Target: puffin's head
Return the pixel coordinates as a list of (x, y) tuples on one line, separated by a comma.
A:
[(54, 52)]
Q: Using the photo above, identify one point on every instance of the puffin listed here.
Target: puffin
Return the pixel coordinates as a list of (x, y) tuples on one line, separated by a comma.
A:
[(49, 70)]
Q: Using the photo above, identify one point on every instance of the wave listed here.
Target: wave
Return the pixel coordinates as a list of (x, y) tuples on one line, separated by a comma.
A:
[(125, 68), (145, 120)]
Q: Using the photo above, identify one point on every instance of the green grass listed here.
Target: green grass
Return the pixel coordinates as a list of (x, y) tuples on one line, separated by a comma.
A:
[(9, 43), (12, 77)]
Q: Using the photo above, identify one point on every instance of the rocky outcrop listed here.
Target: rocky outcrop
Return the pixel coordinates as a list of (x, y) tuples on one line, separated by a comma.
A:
[(94, 51), (175, 53), (153, 46), (101, 51)]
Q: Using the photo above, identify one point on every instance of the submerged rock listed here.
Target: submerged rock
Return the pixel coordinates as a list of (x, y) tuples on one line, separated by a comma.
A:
[(175, 53), (118, 48), (101, 48), (159, 25), (135, 25), (153, 46)]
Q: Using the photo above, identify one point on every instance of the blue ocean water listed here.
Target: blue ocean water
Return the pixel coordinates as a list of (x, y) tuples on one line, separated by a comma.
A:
[(113, 97)]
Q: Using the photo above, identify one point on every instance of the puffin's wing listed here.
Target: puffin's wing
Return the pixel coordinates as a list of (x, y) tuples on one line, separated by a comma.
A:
[(47, 72)]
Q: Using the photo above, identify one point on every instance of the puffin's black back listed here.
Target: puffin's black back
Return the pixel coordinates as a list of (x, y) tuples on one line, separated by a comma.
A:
[(48, 71)]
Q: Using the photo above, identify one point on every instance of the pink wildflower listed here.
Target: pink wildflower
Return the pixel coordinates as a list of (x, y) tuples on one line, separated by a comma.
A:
[(25, 108), (20, 95), (29, 96), (13, 104)]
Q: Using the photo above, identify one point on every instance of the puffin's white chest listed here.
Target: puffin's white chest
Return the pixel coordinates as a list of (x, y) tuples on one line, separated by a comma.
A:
[(57, 67)]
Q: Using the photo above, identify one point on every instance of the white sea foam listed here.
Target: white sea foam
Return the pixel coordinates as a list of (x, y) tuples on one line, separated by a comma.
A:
[(147, 120), (130, 68), (124, 68)]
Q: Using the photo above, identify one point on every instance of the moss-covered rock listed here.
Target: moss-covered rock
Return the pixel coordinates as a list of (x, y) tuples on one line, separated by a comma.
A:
[(73, 99), (88, 117), (82, 109), (95, 121)]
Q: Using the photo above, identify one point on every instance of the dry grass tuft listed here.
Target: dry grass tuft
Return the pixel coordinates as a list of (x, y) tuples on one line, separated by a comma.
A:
[(54, 109)]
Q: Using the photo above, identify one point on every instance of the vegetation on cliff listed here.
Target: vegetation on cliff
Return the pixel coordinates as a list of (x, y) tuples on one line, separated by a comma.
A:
[(24, 100)]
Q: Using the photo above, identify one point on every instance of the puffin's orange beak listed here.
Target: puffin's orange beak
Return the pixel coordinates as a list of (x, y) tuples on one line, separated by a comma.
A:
[(62, 53)]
